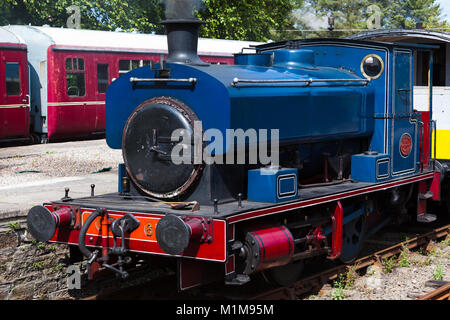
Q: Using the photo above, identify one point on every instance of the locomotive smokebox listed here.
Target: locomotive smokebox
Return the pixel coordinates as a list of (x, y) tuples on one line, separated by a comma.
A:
[(182, 41)]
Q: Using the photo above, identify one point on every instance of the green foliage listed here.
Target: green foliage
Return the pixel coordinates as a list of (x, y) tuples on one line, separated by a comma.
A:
[(57, 267), (338, 288), (352, 16), (438, 273), (142, 15), (13, 226), (427, 261), (446, 242), (403, 260), (351, 277), (348, 14), (422, 251), (388, 264), (406, 13), (39, 265), (257, 20), (433, 251)]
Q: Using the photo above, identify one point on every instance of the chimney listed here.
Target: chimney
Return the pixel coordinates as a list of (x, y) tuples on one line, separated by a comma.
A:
[(182, 41)]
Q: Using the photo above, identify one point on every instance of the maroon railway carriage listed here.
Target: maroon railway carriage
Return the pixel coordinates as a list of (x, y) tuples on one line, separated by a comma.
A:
[(71, 69), (14, 107)]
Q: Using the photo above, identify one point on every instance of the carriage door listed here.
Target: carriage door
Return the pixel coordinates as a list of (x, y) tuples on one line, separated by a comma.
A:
[(404, 128), (103, 76), (14, 107)]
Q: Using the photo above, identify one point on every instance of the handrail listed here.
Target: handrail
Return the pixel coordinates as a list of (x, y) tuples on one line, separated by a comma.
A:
[(189, 80), (434, 128), (306, 81), (421, 144), (247, 48)]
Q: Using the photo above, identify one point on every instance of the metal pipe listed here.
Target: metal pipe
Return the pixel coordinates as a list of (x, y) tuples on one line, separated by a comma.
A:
[(434, 125), (421, 156), (306, 81), (430, 93), (81, 242), (189, 80)]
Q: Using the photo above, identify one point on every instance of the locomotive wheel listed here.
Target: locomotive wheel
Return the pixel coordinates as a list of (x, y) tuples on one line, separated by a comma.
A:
[(354, 234), (284, 275)]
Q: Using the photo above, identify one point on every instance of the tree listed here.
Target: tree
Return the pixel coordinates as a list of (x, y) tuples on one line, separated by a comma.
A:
[(348, 14), (142, 15), (257, 20), (354, 14), (51, 12), (406, 13), (254, 20)]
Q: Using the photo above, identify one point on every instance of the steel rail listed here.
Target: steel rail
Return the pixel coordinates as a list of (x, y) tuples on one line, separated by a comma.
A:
[(299, 288), (306, 285), (441, 293)]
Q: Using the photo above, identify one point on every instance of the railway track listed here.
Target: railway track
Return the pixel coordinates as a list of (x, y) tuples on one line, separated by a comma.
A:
[(441, 293), (139, 291), (146, 290), (316, 281)]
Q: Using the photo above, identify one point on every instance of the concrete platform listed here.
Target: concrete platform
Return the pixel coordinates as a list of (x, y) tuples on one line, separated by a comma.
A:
[(16, 200), (20, 192)]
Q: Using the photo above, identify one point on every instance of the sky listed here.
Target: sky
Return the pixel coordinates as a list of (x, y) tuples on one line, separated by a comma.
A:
[(445, 6)]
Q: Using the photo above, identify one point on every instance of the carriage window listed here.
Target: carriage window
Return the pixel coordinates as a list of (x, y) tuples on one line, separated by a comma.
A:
[(75, 77), (12, 75), (128, 65), (102, 78), (134, 64), (75, 84)]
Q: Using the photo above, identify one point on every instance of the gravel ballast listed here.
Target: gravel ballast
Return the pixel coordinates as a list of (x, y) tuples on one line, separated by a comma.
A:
[(404, 277)]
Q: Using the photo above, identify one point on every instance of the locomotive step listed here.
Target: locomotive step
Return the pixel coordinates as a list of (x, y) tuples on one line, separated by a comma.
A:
[(426, 218), (239, 280), (426, 196)]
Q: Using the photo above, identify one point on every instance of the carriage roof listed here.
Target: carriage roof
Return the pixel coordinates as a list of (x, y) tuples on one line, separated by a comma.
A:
[(76, 38), (8, 37)]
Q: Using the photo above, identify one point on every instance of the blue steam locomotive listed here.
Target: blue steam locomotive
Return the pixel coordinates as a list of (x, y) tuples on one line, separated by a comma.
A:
[(350, 156)]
